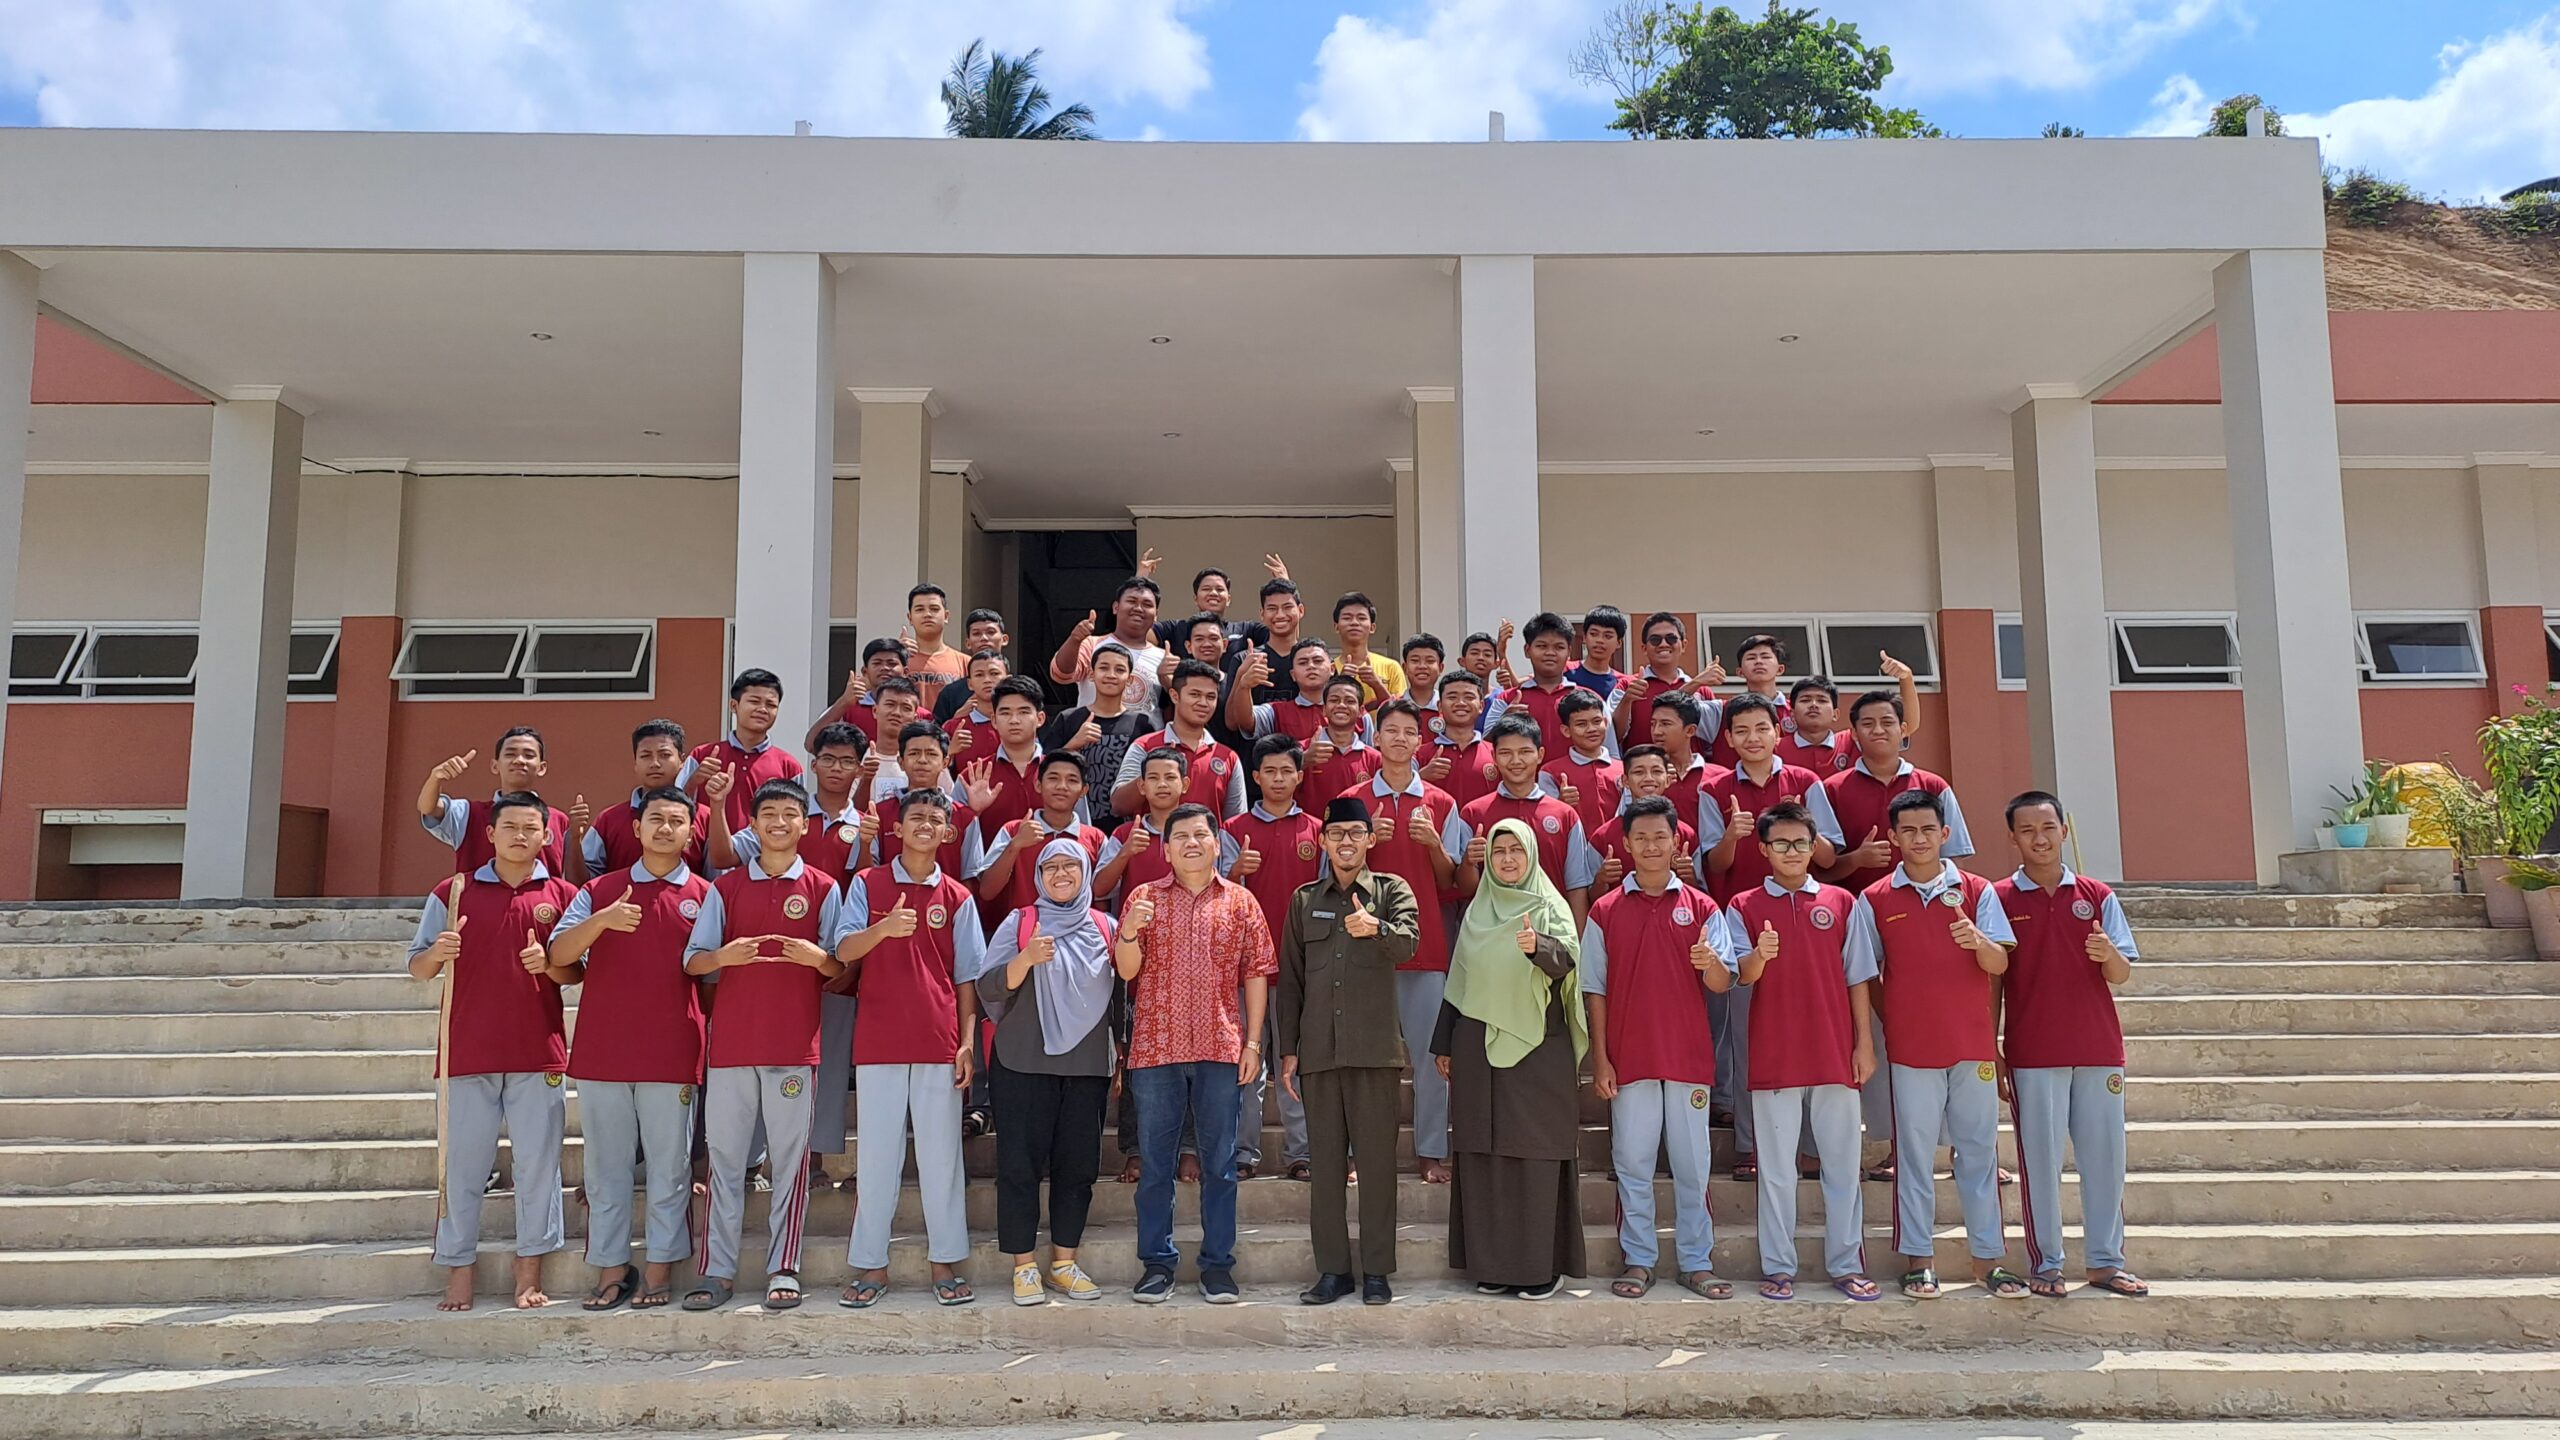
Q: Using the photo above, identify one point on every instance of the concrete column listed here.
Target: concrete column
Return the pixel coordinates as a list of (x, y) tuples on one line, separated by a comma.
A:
[(2511, 614), (17, 383), (944, 554), (897, 504), (1497, 440), (2070, 711), (235, 762), (362, 790), (2288, 543), (1408, 596), (786, 477), (1439, 566), (1968, 498)]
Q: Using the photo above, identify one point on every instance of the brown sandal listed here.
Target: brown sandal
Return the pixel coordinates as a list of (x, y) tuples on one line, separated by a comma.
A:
[(1630, 1287)]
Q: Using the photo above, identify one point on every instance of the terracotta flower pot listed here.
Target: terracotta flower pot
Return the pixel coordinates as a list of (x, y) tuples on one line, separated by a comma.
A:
[(2542, 912), (2506, 902)]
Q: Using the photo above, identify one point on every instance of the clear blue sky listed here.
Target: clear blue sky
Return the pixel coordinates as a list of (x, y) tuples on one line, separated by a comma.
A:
[(2459, 96)]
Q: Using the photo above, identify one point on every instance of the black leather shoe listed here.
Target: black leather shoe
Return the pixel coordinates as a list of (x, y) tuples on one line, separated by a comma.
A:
[(1374, 1291), (1326, 1290)]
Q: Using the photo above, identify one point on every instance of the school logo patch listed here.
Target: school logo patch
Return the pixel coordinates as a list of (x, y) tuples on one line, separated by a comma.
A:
[(795, 908), (684, 1094), (1839, 760), (936, 916), (1986, 1072), (553, 1079), (689, 908), (1821, 917), (1697, 1098), (1306, 849), (2083, 910), (1488, 770), (1218, 766), (1553, 825), (546, 912), (2115, 1084), (1683, 915), (848, 833), (1952, 897), (792, 1085)]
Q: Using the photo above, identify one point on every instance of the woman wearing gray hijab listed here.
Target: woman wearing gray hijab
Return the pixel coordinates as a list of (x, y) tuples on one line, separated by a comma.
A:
[(1048, 982)]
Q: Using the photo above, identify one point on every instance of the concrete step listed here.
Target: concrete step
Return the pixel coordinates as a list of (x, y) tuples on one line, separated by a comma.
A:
[(98, 1221), (1605, 1384), (22, 959), (2272, 1055), (2335, 1097), (211, 994), (2332, 942), (2275, 909), (2341, 977), (2277, 1014), (1429, 1313), (1272, 1252), (76, 923)]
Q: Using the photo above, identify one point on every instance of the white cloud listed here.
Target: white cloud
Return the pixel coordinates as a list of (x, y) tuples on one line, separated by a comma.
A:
[(2491, 121), (1961, 47), (737, 66), (1434, 80), (2179, 109)]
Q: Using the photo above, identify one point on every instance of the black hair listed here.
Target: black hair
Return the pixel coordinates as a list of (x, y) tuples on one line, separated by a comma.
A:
[(1682, 704), (1354, 597), (1276, 744), (780, 790), (1578, 699), (928, 588), (1461, 675), (1022, 685), (1606, 617), (1876, 697), (1278, 587), (1916, 800), (526, 732), (1645, 752), (1187, 812), (897, 685), (883, 645), (1544, 624), (1111, 647), (1785, 812), (1051, 759), (1515, 723), (755, 680), (1189, 669), (1756, 641), (518, 800), (1306, 643), (922, 730), (2028, 800), (1474, 638), (1205, 572), (655, 730), (1425, 641), (1180, 757), (1336, 680), (1645, 805), (1191, 627), (1398, 706), (1822, 683), (927, 798), (1748, 703), (664, 795), (990, 653), (1665, 617), (1134, 583), (982, 616), (840, 733)]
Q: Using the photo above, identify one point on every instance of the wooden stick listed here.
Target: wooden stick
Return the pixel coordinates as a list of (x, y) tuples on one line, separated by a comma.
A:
[(444, 1050)]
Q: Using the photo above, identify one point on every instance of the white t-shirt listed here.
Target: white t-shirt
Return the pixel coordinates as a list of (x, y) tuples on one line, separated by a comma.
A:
[(1144, 692)]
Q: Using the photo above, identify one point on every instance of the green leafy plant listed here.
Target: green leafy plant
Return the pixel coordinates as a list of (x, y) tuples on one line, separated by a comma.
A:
[(2376, 792), (995, 96), (2470, 814), (2522, 753), (2526, 875), (1783, 74), (2364, 198), (2524, 214), (2231, 117)]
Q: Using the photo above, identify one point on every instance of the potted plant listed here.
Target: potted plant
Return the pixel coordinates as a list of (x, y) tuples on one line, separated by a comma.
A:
[(2471, 823), (2345, 830), (2536, 882), (2386, 806), (2522, 752)]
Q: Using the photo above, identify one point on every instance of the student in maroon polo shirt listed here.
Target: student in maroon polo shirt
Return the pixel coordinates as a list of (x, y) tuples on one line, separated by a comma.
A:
[(1760, 662), (1411, 820), (518, 763), (767, 934), (1480, 655), (504, 1051), (1340, 759), (972, 727), (1424, 659), (1003, 785), (999, 861), (2063, 1047), (1809, 1048), (615, 841), (1728, 849), (1216, 775), (1648, 772), (1271, 850), (1862, 795), (1564, 851), (1301, 715), (1135, 853), (1585, 775), (1631, 703), (638, 1056), (1814, 737), (1455, 755), (1549, 643), (893, 709), (1675, 728), (925, 761), (859, 705), (1652, 951), (748, 752), (912, 950), (1938, 939)]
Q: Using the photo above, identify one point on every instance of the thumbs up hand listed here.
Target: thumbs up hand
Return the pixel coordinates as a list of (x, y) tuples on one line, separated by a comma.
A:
[(1568, 792), (1086, 737), (1965, 935), (907, 638), (1438, 769), (1477, 849), (1319, 750), (716, 780), (1738, 820), (1528, 937), (1702, 954), (581, 819), (855, 687), (1612, 871), (1141, 913), (1140, 838), (1873, 853), (1248, 860), (1044, 948), (1359, 924), (621, 915), (900, 922), (452, 769), (1768, 946), (1894, 669), (2100, 949), (1420, 827), (535, 958)]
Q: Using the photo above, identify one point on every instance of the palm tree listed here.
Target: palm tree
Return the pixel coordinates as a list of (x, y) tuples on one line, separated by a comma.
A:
[(994, 96)]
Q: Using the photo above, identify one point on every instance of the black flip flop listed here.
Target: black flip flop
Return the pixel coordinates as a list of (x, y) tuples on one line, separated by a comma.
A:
[(713, 1294), (609, 1294), (2123, 1282)]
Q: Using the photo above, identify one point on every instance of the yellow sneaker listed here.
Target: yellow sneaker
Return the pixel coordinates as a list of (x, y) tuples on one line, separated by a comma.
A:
[(1068, 1279), (1026, 1285)]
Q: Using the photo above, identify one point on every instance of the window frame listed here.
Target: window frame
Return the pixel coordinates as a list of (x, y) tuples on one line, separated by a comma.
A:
[(1999, 621), (515, 682), (66, 674), (1925, 677), (534, 634), (2173, 677), (88, 677), (2551, 643), (1817, 633), (2367, 672)]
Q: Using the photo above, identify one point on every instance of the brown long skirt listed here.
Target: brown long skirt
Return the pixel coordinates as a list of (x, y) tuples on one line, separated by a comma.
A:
[(1514, 1222)]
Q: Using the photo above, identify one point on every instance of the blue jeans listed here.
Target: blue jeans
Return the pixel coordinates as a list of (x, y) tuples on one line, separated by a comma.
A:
[(1203, 1092)]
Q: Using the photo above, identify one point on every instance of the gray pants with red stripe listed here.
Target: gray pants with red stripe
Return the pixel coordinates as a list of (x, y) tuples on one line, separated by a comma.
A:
[(1830, 1112), (734, 1099), (1958, 1106), (2084, 1104)]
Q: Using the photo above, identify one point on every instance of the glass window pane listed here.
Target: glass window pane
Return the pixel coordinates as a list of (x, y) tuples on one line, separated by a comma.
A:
[(1853, 648), (2011, 636), (844, 656), (140, 658), (41, 656), (2422, 647), (2201, 646), (2551, 651), (462, 653), (1724, 640), (585, 654), (313, 656)]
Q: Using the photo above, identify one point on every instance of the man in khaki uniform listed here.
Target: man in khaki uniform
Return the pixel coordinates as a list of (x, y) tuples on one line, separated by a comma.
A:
[(1341, 1050)]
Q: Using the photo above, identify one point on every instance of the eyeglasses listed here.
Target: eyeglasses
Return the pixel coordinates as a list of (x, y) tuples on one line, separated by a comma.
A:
[(1787, 847), (1340, 832), (1662, 639)]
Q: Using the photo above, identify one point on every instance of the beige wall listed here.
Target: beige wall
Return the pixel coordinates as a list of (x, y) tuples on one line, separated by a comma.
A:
[(1661, 542), (2413, 540), (2165, 540), (676, 540), (841, 558), (131, 547), (1325, 556)]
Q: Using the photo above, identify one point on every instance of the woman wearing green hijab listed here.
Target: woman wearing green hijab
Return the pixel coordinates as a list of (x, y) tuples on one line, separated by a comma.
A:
[(1510, 1043)]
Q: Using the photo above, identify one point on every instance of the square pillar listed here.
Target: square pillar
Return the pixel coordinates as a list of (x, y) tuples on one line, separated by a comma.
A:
[(235, 761), (363, 793), (17, 383), (1439, 569), (897, 506), (2288, 543), (1967, 497), (1497, 409), (2512, 604), (786, 478), (2070, 670), (944, 546)]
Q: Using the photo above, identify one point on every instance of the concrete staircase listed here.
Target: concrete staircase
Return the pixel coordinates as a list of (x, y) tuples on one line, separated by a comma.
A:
[(217, 1147)]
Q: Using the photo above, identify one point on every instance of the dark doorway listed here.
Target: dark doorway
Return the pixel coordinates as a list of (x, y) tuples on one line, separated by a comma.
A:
[(1064, 574)]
